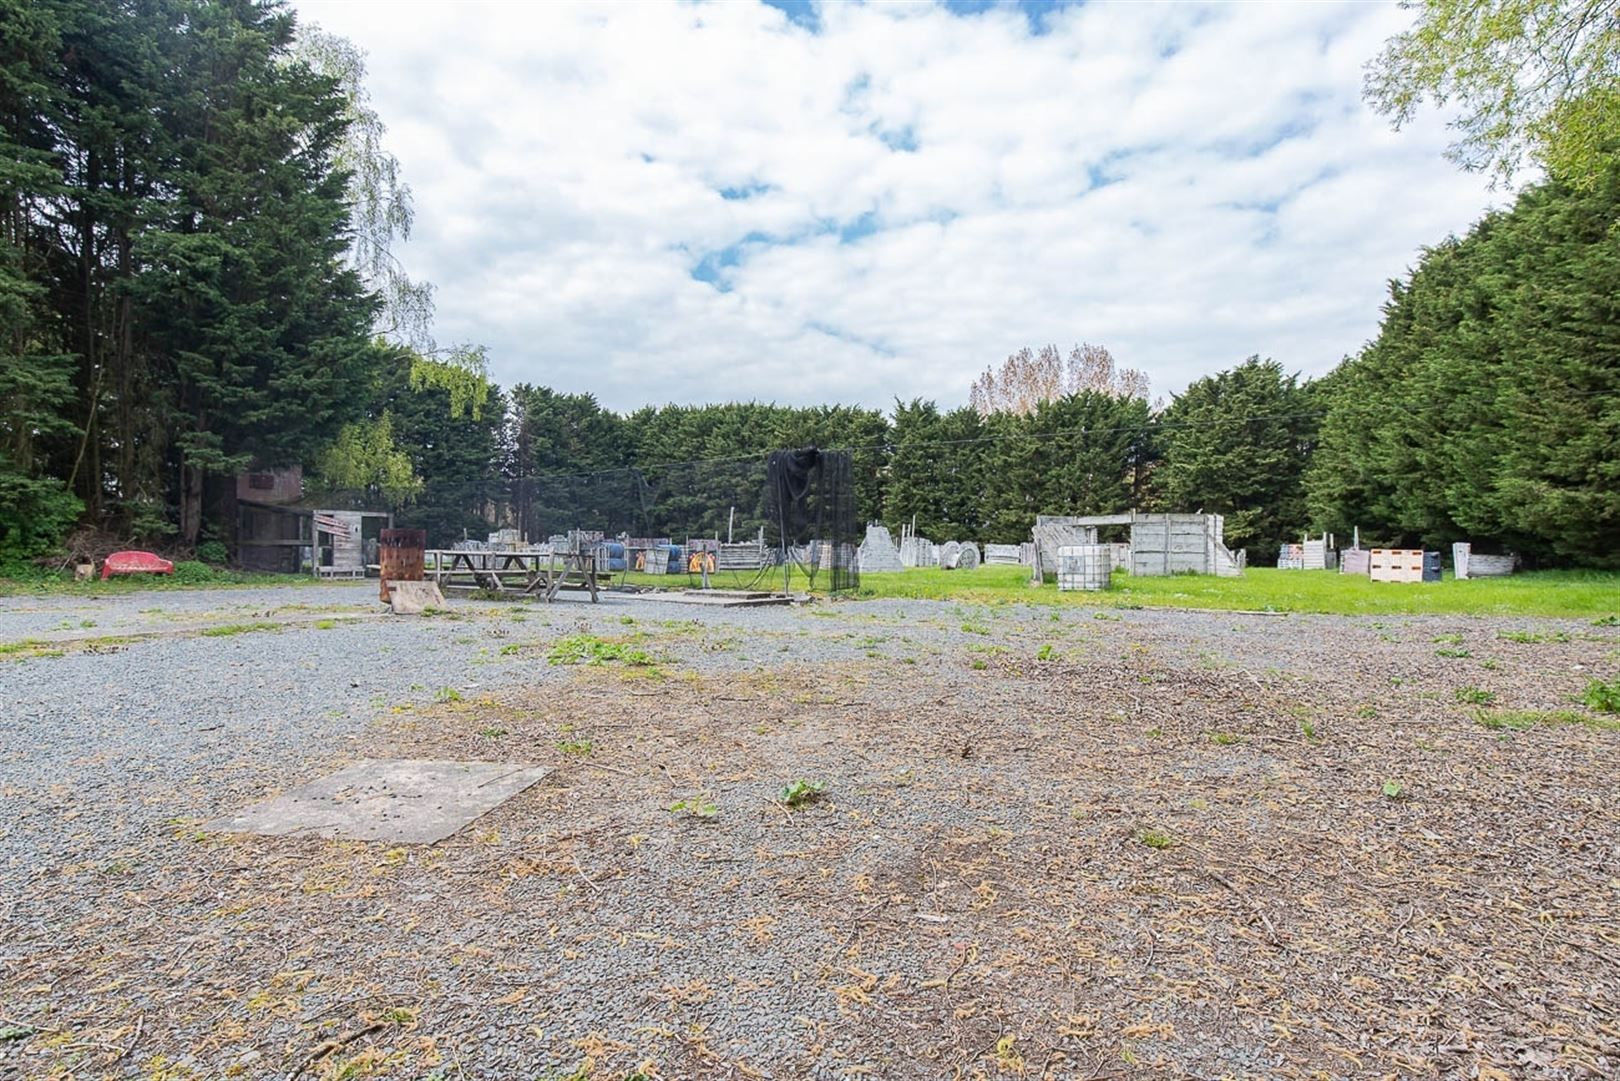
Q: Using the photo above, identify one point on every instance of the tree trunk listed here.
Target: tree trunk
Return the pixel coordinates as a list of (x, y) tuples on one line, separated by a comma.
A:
[(191, 504)]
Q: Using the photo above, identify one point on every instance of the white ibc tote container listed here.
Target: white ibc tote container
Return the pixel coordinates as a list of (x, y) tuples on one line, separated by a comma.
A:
[(1084, 567)]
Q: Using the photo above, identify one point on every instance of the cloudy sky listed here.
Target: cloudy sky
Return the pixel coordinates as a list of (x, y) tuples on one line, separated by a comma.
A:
[(841, 202)]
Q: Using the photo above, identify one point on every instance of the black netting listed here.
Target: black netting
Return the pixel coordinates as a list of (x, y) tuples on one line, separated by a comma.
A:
[(786, 520), (812, 504)]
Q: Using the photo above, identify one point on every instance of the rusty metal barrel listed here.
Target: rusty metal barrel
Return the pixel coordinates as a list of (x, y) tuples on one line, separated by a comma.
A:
[(399, 557)]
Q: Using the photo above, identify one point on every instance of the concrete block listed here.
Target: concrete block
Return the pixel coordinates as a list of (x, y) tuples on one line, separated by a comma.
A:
[(410, 598)]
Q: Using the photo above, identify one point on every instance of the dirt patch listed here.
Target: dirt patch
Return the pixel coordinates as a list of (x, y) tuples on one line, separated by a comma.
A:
[(1148, 861)]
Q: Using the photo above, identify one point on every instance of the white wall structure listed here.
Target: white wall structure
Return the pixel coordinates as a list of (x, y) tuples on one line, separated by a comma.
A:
[(1468, 565), (877, 554), (1180, 543), (1160, 543), (1003, 554), (1054, 531), (918, 552)]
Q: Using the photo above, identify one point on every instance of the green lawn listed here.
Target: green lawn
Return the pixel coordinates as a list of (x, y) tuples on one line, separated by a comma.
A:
[(185, 576), (1576, 594), (1582, 594)]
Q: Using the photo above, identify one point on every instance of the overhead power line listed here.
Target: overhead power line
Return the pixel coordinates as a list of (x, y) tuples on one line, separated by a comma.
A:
[(891, 445)]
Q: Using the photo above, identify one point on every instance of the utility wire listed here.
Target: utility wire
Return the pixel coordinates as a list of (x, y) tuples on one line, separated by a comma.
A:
[(1003, 437)]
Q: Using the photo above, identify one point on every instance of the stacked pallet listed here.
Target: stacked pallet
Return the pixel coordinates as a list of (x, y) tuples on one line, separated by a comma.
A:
[(742, 556), (1395, 564)]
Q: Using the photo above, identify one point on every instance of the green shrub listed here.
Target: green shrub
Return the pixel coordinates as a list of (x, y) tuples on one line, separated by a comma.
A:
[(191, 572), (213, 552), (39, 512)]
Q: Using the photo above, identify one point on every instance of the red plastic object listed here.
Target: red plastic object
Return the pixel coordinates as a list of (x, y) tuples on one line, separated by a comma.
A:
[(134, 563)]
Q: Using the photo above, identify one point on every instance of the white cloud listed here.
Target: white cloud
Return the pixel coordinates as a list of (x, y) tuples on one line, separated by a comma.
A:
[(922, 192)]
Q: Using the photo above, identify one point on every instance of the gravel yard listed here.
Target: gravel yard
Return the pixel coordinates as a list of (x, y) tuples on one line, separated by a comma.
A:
[(1064, 843)]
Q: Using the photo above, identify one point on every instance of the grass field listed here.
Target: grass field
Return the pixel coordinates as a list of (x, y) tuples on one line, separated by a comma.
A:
[(1576, 594), (1589, 594), (1573, 594)]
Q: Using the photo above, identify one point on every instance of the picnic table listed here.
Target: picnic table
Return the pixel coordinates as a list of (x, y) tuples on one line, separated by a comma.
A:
[(531, 573)]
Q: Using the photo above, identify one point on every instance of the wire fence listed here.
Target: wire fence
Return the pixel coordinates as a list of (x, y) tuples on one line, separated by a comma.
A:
[(782, 520)]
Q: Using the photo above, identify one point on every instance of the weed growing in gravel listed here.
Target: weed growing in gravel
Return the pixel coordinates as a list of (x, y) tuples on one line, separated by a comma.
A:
[(579, 747), (1156, 838), (1154, 733), (1452, 653), (1475, 696), (1602, 696), (1607, 621), (492, 733), (1044, 653), (1531, 637), (27, 645), (225, 630), (325, 624), (1447, 639), (1519, 720), (975, 628), (1008, 1060), (1107, 616), (698, 806), (1225, 739), (979, 665), (1392, 790), (1308, 730), (1366, 713), (446, 695), (589, 649), (799, 792)]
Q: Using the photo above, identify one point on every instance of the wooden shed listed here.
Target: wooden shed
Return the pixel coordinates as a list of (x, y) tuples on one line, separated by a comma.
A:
[(277, 531)]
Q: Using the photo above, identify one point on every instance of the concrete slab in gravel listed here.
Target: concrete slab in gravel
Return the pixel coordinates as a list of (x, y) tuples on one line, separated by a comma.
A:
[(400, 800)]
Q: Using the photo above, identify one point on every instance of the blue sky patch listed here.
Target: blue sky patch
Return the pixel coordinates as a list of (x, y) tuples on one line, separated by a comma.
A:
[(743, 191), (801, 13), (1038, 13), (904, 139), (712, 265)]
